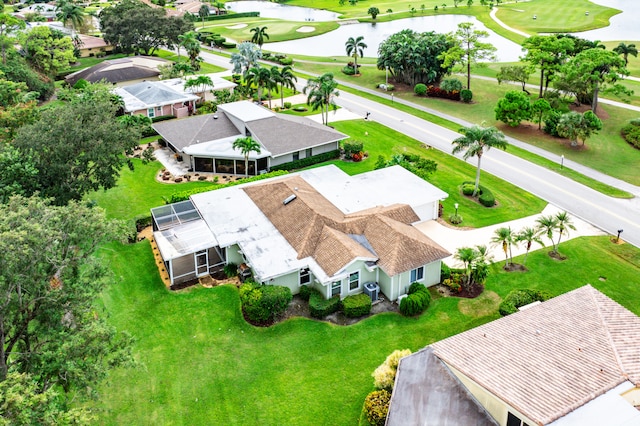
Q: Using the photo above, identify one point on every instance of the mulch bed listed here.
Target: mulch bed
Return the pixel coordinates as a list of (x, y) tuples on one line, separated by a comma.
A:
[(513, 267)]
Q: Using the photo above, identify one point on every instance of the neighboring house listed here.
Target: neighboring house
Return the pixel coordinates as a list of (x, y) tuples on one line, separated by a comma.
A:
[(205, 141), (572, 360), (208, 94), (320, 227), (46, 10), (156, 99), (122, 71), (92, 46)]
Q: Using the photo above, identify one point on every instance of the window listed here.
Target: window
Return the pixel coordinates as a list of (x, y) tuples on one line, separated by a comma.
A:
[(354, 280), (308, 152), (151, 112), (305, 276), (417, 274), (513, 420), (296, 156), (336, 288)]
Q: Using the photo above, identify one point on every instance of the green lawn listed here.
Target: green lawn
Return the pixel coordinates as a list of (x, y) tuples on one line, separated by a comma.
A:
[(202, 364), (205, 68), (278, 30)]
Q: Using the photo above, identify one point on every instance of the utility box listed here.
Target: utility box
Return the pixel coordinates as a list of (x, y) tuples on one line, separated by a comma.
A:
[(372, 289)]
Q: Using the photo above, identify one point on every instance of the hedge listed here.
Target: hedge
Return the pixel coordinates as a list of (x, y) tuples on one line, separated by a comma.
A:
[(376, 406), (184, 195), (319, 307), (305, 292), (162, 118), (309, 161), (631, 133), (417, 300), (228, 45), (436, 92), (485, 197), (521, 297), (261, 304), (356, 306), (445, 271), (231, 16)]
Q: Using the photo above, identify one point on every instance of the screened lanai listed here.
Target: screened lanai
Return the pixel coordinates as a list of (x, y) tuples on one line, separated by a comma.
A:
[(186, 244)]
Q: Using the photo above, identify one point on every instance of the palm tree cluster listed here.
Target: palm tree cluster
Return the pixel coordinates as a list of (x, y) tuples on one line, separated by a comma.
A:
[(69, 12), (271, 79), (321, 92), (476, 264)]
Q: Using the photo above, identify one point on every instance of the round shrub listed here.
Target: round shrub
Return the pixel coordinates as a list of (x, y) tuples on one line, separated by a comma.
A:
[(356, 306), (451, 84), (486, 198), (466, 95), (262, 304), (287, 105), (521, 297), (319, 307), (376, 407), (417, 300), (551, 122), (348, 70), (420, 89), (468, 188)]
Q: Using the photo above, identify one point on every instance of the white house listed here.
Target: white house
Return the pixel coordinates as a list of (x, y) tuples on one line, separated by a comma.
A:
[(320, 227)]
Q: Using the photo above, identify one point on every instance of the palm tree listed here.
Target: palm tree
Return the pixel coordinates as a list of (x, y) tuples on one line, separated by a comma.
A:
[(529, 235), (321, 93), (355, 47), (200, 84), (285, 78), (246, 146), (467, 256), (563, 224), (203, 12), (261, 77), (191, 44), (475, 142), (503, 236), (68, 12), (625, 50), (547, 226), (259, 34)]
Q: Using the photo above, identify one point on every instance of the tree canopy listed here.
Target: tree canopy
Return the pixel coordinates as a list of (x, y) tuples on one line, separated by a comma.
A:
[(48, 51), (414, 57), (321, 92), (548, 53), (513, 108)]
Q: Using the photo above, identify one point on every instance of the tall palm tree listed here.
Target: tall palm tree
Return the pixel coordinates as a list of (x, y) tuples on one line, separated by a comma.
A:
[(261, 77), (529, 235), (475, 142), (321, 92), (547, 225), (503, 236), (68, 12), (246, 146), (259, 34), (286, 78), (200, 84), (563, 224), (355, 47), (203, 12), (625, 50), (191, 44)]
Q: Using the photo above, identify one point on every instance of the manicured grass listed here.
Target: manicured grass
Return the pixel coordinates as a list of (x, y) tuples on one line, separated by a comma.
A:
[(278, 30), (309, 110), (202, 364), (91, 61), (513, 203), (205, 67)]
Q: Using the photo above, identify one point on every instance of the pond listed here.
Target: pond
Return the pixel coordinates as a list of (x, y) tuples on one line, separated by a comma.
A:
[(332, 43), (274, 10), (624, 26)]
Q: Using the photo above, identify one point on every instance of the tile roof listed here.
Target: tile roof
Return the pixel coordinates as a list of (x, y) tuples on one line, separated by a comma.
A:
[(550, 359), (316, 228)]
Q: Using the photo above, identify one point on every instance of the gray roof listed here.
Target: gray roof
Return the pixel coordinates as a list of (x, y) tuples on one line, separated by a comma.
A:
[(149, 94), (426, 392), (195, 129), (119, 70), (283, 133)]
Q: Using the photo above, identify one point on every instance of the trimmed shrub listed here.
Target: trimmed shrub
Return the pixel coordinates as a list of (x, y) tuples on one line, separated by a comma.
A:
[(466, 95), (417, 300), (551, 122), (348, 70), (445, 271), (231, 16), (521, 297), (420, 89), (305, 292), (451, 84), (352, 147), (436, 92), (287, 105), (300, 109), (309, 161), (143, 222), (468, 188), (261, 304), (376, 407), (631, 133), (319, 307), (486, 198), (356, 306), (162, 118), (228, 45), (286, 61)]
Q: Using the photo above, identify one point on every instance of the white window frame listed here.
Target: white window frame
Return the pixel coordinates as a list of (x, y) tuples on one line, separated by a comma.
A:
[(336, 285), (301, 274), (151, 112), (415, 273), (357, 281)]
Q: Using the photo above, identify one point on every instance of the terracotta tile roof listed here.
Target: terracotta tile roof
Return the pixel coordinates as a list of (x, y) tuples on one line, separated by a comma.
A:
[(550, 359), (316, 228)]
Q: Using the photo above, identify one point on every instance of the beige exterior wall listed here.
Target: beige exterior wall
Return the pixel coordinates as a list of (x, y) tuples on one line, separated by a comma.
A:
[(291, 280), (494, 405), (233, 256), (632, 396)]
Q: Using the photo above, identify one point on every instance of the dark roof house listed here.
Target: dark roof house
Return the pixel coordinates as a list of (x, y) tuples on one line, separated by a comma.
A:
[(120, 71)]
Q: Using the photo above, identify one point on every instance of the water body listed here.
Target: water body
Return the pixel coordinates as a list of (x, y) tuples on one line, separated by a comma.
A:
[(332, 43), (624, 26), (274, 10)]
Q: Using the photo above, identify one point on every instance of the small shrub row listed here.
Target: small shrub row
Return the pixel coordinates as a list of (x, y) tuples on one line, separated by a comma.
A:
[(184, 195), (356, 306), (436, 92), (262, 304), (417, 300), (631, 133), (319, 307), (162, 118), (522, 297), (306, 162)]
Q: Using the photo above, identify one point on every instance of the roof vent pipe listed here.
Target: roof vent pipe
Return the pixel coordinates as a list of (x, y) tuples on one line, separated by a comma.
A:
[(289, 199)]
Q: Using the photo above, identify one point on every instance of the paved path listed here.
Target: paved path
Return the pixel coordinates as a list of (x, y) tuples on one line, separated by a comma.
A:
[(505, 26)]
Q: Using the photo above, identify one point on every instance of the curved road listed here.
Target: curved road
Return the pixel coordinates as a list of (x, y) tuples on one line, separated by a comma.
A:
[(607, 213)]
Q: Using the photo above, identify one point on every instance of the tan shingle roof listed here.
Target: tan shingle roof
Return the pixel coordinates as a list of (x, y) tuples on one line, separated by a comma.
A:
[(550, 359), (315, 227)]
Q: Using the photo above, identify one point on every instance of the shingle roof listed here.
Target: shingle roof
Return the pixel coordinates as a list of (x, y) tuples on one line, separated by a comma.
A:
[(150, 94), (283, 134), (550, 359), (119, 70), (316, 228), (196, 129)]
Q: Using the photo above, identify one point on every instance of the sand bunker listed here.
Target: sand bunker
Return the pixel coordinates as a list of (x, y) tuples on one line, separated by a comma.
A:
[(306, 29), (237, 26)]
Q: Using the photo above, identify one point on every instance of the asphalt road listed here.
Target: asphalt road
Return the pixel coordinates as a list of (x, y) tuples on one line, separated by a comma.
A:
[(607, 213)]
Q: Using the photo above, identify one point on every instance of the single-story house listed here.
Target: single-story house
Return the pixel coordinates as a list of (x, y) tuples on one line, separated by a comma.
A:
[(119, 72), (320, 227), (155, 99), (205, 141), (91, 46), (205, 93), (46, 10), (572, 360)]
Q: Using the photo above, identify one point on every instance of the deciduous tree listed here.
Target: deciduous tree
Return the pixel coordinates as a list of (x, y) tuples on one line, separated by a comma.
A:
[(516, 73), (547, 53), (9, 26), (513, 108), (46, 50)]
